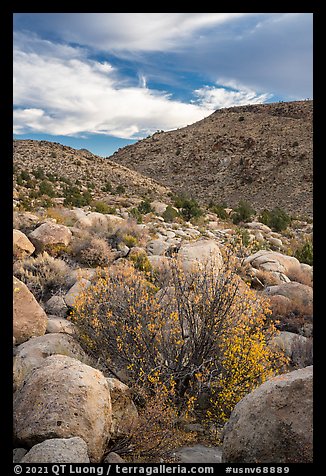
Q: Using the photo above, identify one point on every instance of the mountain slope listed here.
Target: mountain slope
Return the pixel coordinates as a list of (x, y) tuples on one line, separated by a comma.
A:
[(66, 163), (258, 153)]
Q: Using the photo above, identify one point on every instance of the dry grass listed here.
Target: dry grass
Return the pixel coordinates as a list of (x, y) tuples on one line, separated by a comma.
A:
[(290, 315), (91, 250), (300, 276), (44, 275)]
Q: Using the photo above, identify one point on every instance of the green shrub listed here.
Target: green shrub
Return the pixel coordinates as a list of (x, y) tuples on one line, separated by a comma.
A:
[(277, 219), (219, 210), (120, 189), (75, 198), (39, 173), (25, 175), (189, 208), (107, 187), (130, 240), (135, 213), (242, 213), (145, 207), (141, 262), (170, 214), (52, 178), (45, 188), (305, 253), (102, 207)]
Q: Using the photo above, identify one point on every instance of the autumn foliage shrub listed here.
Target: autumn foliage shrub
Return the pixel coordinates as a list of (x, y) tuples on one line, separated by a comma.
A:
[(208, 334)]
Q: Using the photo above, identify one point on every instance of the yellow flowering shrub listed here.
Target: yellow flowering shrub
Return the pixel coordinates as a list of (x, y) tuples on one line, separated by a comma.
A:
[(205, 330)]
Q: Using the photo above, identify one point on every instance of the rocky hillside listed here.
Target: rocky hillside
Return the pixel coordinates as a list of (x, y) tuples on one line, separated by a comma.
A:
[(64, 165), (258, 153)]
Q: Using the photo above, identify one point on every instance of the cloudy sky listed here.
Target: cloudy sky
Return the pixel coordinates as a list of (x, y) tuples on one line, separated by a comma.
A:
[(102, 81)]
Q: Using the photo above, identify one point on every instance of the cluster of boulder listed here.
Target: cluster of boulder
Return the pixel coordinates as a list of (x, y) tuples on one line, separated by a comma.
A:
[(66, 410)]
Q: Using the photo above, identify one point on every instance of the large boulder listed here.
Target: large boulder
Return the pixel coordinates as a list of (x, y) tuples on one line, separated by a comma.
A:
[(299, 294), (59, 324), (273, 424), (158, 207), (273, 261), (58, 450), (29, 318), (157, 247), (22, 245), (199, 253), (74, 292), (64, 398), (56, 305), (124, 411), (297, 348), (31, 354), (50, 236)]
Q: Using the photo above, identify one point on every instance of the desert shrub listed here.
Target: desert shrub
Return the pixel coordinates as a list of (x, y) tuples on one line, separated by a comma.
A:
[(24, 175), (302, 353), (289, 315), (128, 231), (189, 207), (141, 262), (242, 213), (170, 214), (58, 214), (43, 275), (46, 188), (145, 207), (44, 202), (92, 251), (219, 210), (129, 240), (107, 187), (136, 214), (39, 173), (102, 207), (305, 253), (19, 180), (277, 219), (90, 185), (25, 203), (300, 275), (75, 198), (120, 189), (30, 183), (204, 335), (157, 432), (244, 236)]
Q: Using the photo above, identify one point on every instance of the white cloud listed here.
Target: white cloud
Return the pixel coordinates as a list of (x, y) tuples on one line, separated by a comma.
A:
[(230, 93), (61, 96), (129, 31)]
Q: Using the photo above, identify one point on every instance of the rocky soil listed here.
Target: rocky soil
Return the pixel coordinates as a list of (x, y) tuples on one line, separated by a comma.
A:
[(258, 153)]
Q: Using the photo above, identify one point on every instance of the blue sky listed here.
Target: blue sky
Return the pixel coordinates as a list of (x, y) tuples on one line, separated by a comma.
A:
[(102, 81)]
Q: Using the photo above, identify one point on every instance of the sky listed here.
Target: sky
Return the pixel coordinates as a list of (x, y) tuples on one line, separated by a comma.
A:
[(100, 81)]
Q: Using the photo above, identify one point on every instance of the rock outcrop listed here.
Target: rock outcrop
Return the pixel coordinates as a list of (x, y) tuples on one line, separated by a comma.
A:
[(29, 318), (49, 236), (22, 246), (64, 398), (58, 450), (273, 424)]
